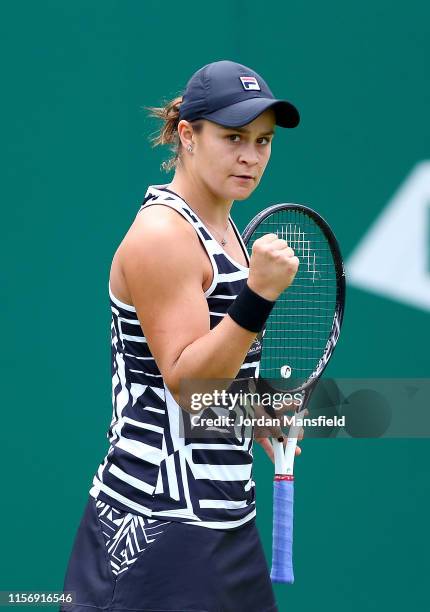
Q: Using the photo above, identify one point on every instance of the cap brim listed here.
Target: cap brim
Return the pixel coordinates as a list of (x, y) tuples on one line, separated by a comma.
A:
[(241, 113)]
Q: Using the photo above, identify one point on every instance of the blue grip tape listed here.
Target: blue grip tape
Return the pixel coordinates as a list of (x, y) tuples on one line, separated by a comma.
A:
[(282, 547)]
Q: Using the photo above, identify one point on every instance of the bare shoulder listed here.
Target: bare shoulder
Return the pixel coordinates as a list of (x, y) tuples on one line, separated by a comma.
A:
[(159, 221), (160, 236)]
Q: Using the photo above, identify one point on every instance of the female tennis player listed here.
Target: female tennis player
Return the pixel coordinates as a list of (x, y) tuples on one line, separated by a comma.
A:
[(170, 520)]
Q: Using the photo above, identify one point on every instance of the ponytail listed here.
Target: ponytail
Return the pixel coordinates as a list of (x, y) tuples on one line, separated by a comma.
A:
[(168, 133)]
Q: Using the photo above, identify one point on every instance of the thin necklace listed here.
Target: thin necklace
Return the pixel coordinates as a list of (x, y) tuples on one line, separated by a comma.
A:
[(221, 238), (223, 241)]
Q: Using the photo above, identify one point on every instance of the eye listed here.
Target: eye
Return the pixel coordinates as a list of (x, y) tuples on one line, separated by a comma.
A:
[(234, 137), (264, 140)]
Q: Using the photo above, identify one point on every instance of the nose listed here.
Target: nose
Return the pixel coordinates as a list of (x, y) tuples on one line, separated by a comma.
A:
[(248, 155)]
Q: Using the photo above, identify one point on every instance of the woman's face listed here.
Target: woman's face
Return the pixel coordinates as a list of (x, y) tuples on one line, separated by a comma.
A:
[(231, 161)]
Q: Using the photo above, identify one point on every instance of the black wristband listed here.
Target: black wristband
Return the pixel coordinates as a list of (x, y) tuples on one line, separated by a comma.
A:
[(250, 310)]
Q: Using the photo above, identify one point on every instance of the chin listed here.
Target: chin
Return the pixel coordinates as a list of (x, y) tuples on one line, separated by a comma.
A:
[(235, 193), (242, 194)]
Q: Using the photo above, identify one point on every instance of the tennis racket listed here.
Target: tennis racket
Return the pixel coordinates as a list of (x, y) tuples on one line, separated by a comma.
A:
[(299, 339)]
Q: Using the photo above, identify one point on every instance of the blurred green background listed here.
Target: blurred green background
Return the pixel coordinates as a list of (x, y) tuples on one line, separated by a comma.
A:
[(77, 162)]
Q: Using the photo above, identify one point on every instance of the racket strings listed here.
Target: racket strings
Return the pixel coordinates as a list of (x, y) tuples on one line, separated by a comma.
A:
[(301, 322)]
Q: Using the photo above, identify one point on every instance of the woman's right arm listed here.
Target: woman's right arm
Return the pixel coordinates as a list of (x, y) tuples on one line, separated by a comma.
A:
[(163, 265)]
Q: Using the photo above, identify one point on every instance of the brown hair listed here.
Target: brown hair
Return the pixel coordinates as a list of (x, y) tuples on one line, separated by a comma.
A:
[(168, 133)]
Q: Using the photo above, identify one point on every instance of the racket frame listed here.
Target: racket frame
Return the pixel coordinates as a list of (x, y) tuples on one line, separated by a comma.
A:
[(340, 281)]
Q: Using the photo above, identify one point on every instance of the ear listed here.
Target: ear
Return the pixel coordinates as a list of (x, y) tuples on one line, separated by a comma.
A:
[(185, 133)]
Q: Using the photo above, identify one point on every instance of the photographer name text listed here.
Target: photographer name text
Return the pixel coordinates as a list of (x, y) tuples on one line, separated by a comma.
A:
[(263, 421)]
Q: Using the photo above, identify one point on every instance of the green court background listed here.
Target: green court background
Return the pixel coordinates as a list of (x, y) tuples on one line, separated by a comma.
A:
[(77, 162)]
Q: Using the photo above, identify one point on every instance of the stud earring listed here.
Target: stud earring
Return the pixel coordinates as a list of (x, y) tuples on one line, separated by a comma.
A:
[(190, 148)]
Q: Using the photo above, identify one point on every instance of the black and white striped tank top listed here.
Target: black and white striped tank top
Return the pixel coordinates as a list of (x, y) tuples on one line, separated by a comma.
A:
[(151, 468)]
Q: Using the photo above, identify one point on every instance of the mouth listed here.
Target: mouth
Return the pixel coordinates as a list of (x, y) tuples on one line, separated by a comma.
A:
[(244, 177)]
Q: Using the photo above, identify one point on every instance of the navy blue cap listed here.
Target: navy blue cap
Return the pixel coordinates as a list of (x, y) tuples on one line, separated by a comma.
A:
[(232, 95)]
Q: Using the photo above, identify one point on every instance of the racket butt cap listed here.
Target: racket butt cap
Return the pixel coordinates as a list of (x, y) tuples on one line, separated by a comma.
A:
[(282, 578)]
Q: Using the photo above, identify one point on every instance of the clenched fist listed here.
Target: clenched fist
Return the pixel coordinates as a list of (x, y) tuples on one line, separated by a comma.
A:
[(272, 266)]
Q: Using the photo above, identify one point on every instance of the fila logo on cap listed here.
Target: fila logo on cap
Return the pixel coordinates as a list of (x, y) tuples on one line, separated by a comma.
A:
[(250, 83)]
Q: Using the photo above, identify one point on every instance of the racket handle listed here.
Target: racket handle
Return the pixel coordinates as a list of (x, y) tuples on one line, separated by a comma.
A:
[(282, 546)]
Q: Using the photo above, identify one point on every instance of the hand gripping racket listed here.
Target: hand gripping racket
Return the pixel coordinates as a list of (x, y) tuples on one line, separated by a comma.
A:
[(299, 339)]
